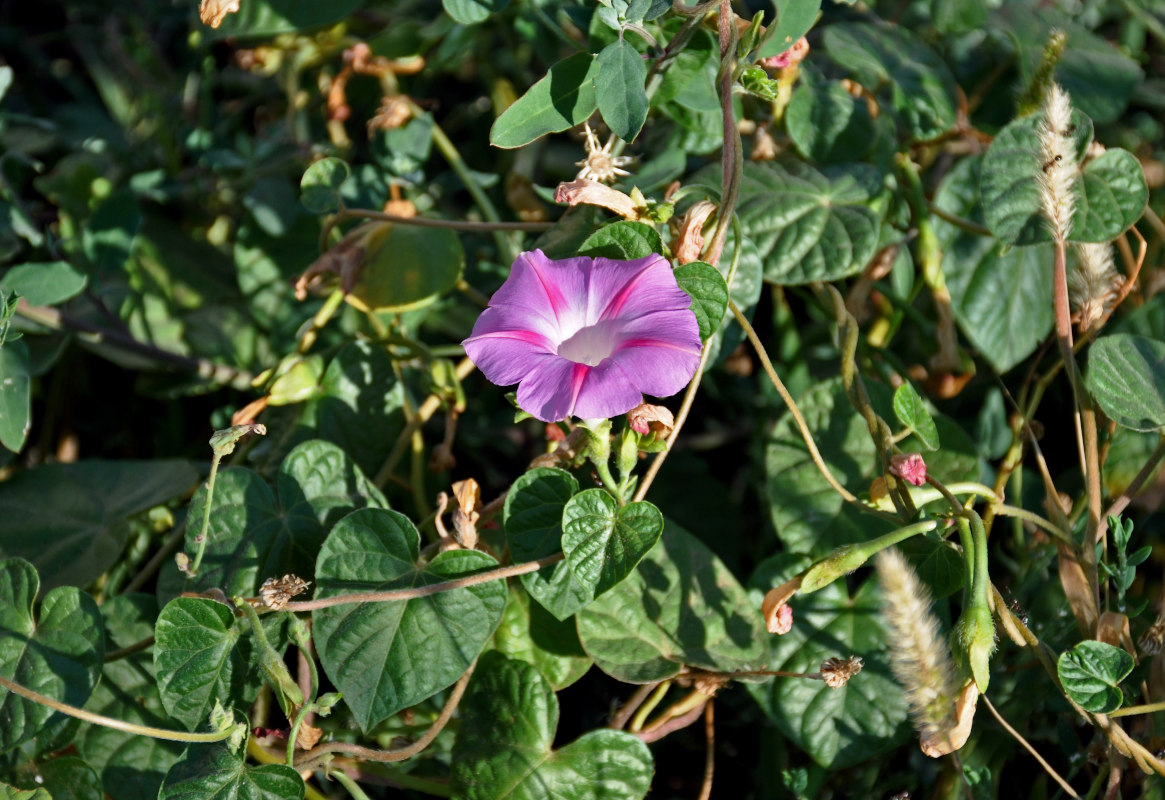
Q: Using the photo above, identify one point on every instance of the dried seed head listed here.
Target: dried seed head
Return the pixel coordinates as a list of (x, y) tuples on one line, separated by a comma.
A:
[(600, 165), (276, 593), (918, 656), (1095, 283), (1059, 162), (836, 672)]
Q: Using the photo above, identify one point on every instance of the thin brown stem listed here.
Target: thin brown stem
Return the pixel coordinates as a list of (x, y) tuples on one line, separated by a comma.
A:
[(126, 652), (619, 720), (1027, 746), (446, 224), (396, 595), (709, 751), (308, 760)]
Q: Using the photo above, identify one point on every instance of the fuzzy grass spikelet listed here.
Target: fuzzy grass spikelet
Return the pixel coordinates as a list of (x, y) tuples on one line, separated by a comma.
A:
[(919, 656), (1060, 168), (1094, 284)]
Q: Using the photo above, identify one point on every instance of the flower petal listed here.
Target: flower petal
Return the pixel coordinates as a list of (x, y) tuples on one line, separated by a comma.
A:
[(628, 289), (544, 292), (504, 351), (560, 388)]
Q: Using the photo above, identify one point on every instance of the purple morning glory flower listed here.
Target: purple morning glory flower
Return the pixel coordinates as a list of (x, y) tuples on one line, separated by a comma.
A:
[(587, 337)]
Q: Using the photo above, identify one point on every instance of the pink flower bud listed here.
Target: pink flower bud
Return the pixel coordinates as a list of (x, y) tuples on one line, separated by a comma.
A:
[(909, 467)]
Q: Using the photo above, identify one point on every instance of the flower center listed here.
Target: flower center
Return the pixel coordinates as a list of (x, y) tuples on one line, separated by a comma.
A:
[(589, 345)]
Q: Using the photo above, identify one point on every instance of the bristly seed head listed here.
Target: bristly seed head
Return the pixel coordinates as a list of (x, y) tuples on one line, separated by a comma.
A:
[(919, 658), (600, 165), (1095, 283), (1058, 152)]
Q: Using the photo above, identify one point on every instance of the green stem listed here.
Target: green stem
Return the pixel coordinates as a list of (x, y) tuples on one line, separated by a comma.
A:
[(1149, 708), (1023, 514), (204, 534), (116, 724), (349, 784), (649, 706)]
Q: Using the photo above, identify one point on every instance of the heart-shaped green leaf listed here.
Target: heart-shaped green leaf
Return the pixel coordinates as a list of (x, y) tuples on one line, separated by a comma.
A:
[(680, 607), (562, 99), (809, 516), (131, 767), (619, 88), (884, 57), (533, 522), (254, 536), (604, 542), (1110, 191), (69, 520), (1126, 377), (1091, 673), (1002, 297), (709, 293), (836, 727), (471, 12), (809, 227), (57, 652), (530, 633), (387, 656), (623, 239), (828, 124), (212, 770), (407, 267), (503, 747), (195, 659)]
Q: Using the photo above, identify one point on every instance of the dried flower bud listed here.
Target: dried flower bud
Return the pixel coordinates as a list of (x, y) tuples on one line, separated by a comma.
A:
[(596, 194), (1152, 639), (709, 683), (791, 57), (836, 672), (213, 12), (276, 593), (690, 240), (910, 467), (393, 113), (764, 146), (646, 418), (779, 616)]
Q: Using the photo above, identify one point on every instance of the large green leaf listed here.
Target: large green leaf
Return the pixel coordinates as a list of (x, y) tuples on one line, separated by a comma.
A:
[(531, 633), (67, 778), (319, 188), (503, 748), (1110, 191), (388, 656), (1126, 377), (15, 398), (883, 57), (69, 520), (254, 535), (619, 88), (56, 652), (1091, 673), (828, 124), (213, 771), (680, 607), (533, 523), (131, 767), (562, 99), (407, 267), (836, 727), (603, 541), (267, 18), (360, 394), (195, 659), (1002, 297), (809, 516), (808, 226)]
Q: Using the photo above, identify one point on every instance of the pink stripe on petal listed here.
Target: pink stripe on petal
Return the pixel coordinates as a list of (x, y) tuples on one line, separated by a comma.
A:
[(608, 392)]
